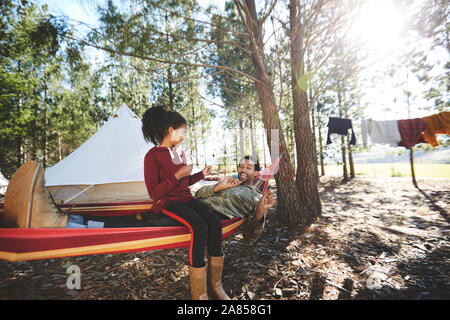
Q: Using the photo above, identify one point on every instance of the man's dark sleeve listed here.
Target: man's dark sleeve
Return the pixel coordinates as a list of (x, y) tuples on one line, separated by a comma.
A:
[(252, 228)]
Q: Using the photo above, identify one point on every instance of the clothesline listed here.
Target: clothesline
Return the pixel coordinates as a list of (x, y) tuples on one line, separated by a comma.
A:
[(397, 133)]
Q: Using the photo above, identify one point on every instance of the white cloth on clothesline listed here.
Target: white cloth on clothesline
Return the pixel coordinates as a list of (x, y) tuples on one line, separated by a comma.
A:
[(380, 132)]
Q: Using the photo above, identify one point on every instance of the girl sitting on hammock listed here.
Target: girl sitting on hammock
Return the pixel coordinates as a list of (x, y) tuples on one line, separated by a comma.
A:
[(168, 177)]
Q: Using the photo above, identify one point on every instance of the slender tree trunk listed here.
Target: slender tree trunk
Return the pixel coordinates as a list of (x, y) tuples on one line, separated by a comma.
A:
[(411, 161), (292, 148), (59, 147), (170, 85), (264, 149), (252, 137), (45, 155), (195, 136), (322, 165), (411, 151), (169, 72), (350, 155), (350, 158), (307, 174), (344, 158), (19, 140), (45, 151), (241, 138), (291, 209), (225, 160), (314, 138), (349, 146), (203, 141), (236, 154)]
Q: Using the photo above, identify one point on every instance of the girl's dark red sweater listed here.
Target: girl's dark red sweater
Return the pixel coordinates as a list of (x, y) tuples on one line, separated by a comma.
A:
[(159, 174)]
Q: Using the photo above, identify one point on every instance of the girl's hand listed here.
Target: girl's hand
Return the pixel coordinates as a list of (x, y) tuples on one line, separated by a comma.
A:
[(184, 172), (206, 171)]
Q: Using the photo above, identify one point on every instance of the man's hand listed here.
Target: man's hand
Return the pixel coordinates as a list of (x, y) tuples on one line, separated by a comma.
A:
[(228, 182), (266, 202), (184, 172), (207, 171)]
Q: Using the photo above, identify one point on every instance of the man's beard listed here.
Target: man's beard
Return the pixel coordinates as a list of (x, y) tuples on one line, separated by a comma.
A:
[(244, 177)]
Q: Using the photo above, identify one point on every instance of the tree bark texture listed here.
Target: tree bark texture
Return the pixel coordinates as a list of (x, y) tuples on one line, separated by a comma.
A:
[(307, 174), (289, 203)]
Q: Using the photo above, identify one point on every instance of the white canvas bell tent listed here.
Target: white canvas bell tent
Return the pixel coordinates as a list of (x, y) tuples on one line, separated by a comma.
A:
[(108, 167), (3, 184)]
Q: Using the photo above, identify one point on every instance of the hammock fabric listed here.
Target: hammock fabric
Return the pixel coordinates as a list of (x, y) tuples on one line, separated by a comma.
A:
[(22, 244), (18, 244)]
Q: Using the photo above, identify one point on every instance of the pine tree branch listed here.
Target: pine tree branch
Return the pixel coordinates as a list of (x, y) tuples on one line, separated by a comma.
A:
[(267, 14), (165, 61)]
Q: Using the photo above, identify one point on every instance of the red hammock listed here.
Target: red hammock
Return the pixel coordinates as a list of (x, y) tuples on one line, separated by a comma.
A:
[(21, 244)]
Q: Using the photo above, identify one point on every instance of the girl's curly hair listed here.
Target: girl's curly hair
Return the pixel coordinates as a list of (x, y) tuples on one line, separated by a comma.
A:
[(156, 122)]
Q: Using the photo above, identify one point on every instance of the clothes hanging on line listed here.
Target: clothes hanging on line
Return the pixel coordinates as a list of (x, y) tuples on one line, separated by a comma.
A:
[(411, 132), (340, 126), (436, 124), (380, 132)]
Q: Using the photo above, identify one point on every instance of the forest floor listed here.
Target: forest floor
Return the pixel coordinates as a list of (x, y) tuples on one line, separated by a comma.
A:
[(377, 238)]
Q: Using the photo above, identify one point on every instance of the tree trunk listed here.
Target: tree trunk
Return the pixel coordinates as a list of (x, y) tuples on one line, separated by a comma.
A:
[(236, 154), (291, 209), (350, 158), (19, 143), (203, 141), (45, 154), (344, 158), (59, 147), (314, 138), (264, 149), (413, 173), (350, 153), (170, 85), (169, 73), (292, 148), (307, 174), (321, 156), (195, 136), (252, 137), (241, 139), (225, 159)]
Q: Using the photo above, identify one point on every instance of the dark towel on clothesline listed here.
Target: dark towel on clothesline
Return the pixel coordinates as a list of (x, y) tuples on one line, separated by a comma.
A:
[(340, 126)]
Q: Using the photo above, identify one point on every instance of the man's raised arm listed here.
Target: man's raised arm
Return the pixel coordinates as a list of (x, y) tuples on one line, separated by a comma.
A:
[(255, 222)]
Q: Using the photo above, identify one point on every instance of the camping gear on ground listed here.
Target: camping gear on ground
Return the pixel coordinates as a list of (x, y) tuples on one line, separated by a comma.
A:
[(436, 124), (380, 132), (340, 126)]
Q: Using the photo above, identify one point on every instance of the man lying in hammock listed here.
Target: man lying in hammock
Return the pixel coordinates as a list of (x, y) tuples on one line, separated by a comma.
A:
[(240, 198)]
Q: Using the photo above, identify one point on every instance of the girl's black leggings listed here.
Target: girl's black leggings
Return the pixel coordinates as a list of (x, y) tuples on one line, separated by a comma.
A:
[(204, 225)]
